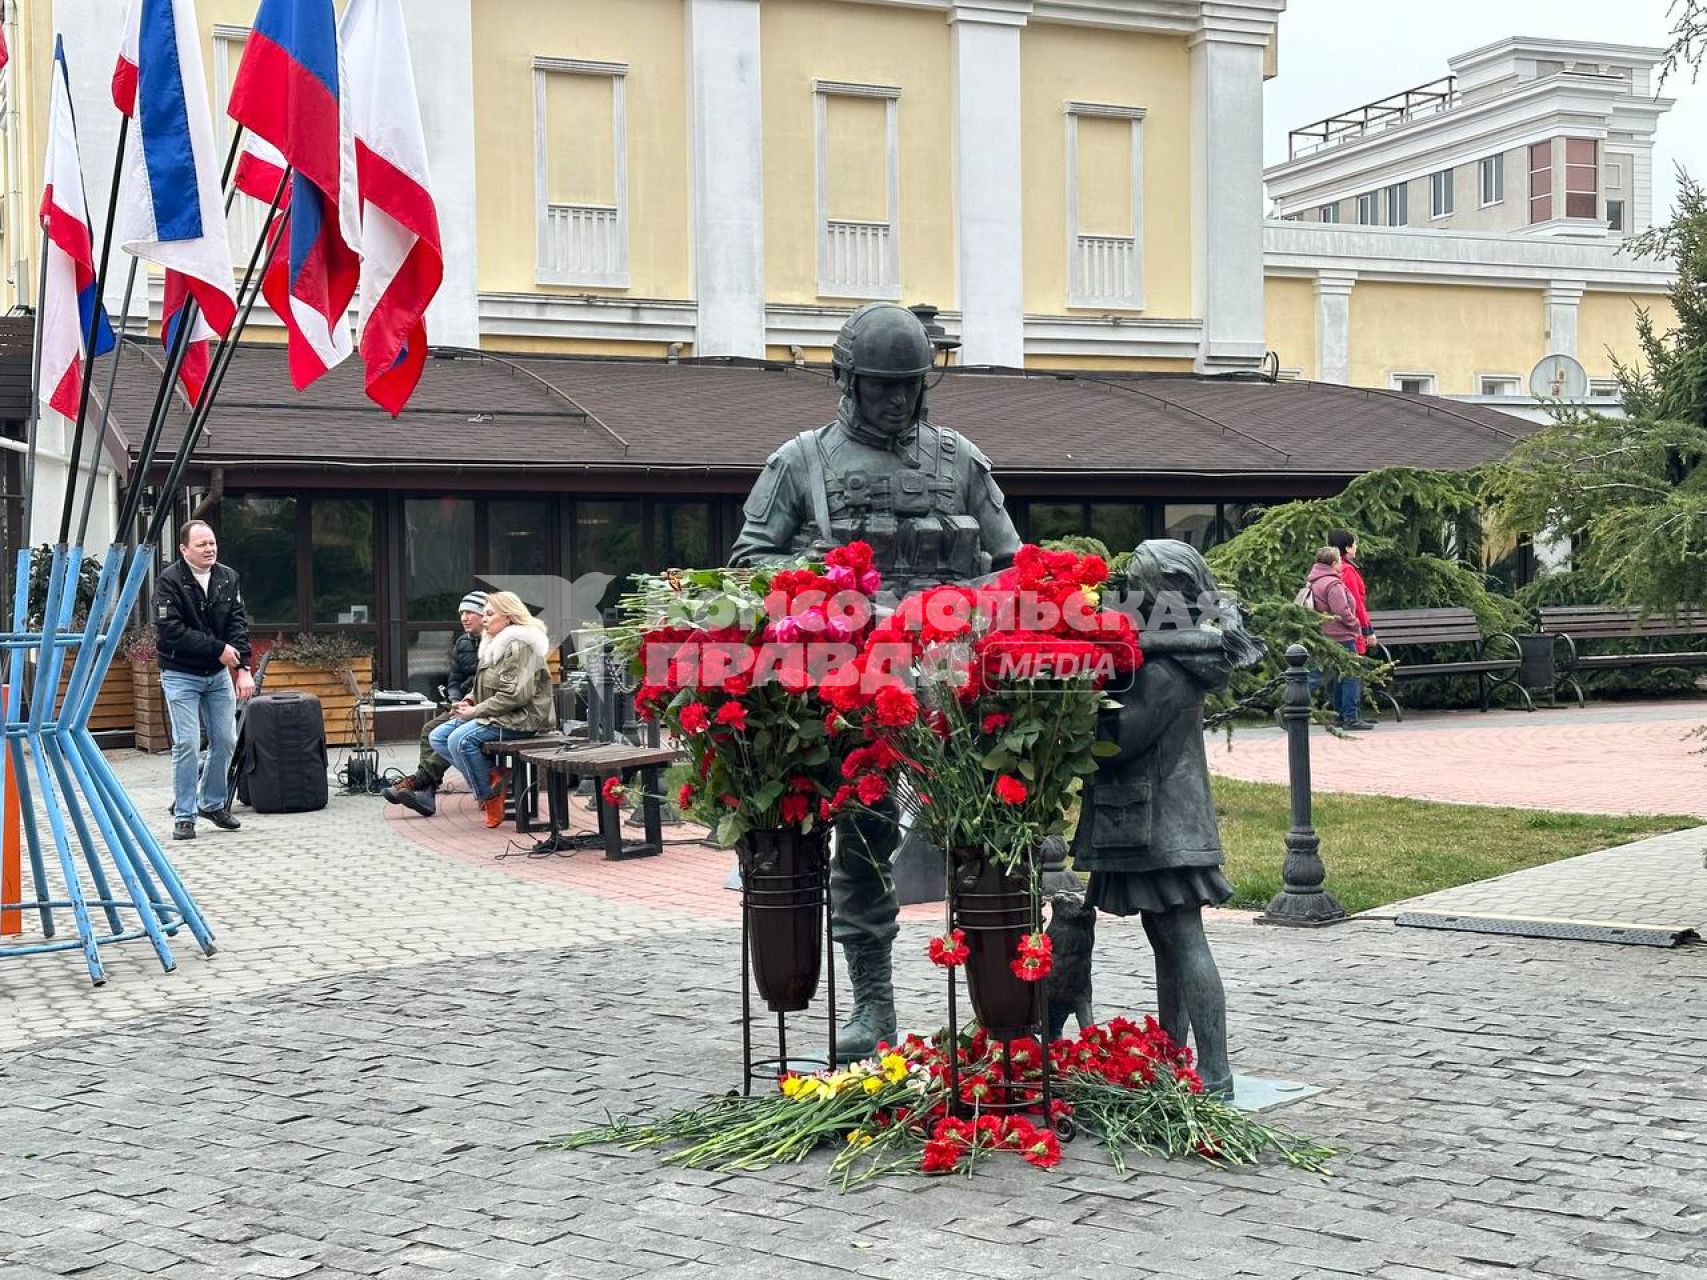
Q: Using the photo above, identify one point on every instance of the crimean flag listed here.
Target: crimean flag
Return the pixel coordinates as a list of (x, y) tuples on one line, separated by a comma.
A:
[(402, 262), (171, 211), (289, 92), (69, 302)]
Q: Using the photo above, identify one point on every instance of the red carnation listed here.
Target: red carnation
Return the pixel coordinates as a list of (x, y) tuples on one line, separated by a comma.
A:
[(950, 952), (684, 796), (695, 718), (795, 807), (872, 788), (996, 720), (1010, 790), (613, 791), (896, 706), (1041, 1148), (732, 714), (940, 1156)]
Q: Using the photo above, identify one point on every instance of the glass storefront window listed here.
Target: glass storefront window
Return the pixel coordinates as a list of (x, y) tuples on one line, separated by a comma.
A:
[(1195, 522), (257, 537), (519, 532), (607, 539), (683, 534), (1046, 520), (429, 661), (1119, 525), (341, 535), (438, 541)]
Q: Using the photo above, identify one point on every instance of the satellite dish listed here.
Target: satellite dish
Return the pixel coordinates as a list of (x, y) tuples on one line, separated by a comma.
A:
[(1558, 377)]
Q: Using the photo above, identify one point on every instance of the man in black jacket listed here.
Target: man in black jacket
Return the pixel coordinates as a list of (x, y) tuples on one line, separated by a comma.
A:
[(203, 646), (419, 790)]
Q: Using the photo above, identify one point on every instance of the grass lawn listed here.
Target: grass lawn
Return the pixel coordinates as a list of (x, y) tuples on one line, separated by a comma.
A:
[(1380, 849)]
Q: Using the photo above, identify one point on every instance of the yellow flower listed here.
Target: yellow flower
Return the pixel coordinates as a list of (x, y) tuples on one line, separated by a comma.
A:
[(873, 1084), (894, 1067), (793, 1085), (859, 1138)]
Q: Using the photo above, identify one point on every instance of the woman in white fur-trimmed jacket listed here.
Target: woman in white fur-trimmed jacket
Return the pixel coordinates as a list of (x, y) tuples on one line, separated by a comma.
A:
[(511, 699)]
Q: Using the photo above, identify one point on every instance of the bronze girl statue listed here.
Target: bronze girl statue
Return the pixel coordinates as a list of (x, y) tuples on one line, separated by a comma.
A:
[(1147, 833)]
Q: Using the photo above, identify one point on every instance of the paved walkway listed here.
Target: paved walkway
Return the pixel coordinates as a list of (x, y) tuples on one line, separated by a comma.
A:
[(356, 1085), (1608, 758)]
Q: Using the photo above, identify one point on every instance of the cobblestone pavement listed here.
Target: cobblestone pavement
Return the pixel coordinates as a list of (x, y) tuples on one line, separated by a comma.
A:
[(358, 1082), (1607, 758), (1504, 1108), (1660, 882)]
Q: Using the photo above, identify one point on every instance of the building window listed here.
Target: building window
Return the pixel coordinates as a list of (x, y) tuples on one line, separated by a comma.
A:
[(1328, 213), (859, 190), (1541, 181), (1582, 178), (1491, 175), (438, 556), (1440, 193), (257, 534), (1602, 388), (1396, 204), (1615, 215), (1499, 384), (1412, 384), (580, 131), (341, 553), (1105, 205), (1368, 209)]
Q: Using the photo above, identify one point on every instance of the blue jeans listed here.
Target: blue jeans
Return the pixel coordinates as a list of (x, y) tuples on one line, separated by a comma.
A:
[(459, 741), (191, 702), (1347, 691)]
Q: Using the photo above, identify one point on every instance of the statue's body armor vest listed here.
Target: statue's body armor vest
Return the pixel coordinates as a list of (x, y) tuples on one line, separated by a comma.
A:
[(909, 506)]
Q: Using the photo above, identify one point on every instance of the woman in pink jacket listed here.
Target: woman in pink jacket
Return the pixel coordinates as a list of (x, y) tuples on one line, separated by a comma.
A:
[(1326, 592)]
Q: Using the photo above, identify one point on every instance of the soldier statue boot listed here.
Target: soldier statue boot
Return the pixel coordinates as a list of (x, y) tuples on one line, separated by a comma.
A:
[(870, 973)]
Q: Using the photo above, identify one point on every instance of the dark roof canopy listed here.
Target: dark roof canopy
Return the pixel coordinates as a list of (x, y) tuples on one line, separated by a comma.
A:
[(585, 415)]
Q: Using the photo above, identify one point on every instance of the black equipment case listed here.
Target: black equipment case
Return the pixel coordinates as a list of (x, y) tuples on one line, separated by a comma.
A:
[(281, 763)]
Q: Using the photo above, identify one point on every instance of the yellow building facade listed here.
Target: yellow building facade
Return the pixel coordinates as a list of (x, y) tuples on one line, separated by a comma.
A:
[(725, 177)]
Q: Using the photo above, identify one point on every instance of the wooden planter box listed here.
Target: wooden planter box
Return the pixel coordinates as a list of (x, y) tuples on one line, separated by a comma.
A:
[(337, 703), (112, 713), (148, 717)]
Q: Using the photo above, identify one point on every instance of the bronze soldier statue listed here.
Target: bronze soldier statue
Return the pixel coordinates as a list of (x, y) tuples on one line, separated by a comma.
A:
[(923, 497)]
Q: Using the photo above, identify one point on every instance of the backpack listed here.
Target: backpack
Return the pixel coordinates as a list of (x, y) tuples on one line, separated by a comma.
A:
[(1306, 598)]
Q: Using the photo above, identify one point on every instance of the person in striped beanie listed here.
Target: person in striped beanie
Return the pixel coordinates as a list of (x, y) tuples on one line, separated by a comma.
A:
[(419, 791)]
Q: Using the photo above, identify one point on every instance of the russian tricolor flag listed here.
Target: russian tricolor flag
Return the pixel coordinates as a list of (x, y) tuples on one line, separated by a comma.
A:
[(289, 92), (171, 211), (68, 304), (402, 262)]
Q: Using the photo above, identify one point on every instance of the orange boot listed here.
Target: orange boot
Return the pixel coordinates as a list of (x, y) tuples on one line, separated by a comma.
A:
[(494, 806)]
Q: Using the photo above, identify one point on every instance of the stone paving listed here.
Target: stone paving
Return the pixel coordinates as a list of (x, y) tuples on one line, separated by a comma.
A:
[(358, 1082), (1607, 758)]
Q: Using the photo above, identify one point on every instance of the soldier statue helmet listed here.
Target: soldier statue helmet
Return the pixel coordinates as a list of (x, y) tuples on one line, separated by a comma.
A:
[(924, 499)]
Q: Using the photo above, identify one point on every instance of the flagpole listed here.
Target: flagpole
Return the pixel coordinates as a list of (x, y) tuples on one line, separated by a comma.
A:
[(221, 362), (33, 428), (75, 454), (162, 398), (107, 407)]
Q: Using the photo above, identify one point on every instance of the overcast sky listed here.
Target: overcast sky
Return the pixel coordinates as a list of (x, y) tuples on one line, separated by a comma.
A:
[(1339, 54)]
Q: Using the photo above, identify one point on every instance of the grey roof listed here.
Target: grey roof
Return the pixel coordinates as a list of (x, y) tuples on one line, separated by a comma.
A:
[(591, 415)]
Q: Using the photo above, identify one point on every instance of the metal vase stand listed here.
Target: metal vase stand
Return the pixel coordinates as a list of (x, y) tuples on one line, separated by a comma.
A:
[(73, 783), (784, 897), (980, 913)]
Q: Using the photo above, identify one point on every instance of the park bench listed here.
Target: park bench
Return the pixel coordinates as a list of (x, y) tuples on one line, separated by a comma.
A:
[(1580, 624), (1404, 629), (521, 782)]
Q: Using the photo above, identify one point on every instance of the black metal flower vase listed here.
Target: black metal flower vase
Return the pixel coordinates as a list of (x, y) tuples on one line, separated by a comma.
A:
[(995, 908), (785, 894)]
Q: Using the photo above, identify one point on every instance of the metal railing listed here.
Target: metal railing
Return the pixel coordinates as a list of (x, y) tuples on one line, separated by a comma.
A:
[(1425, 99)]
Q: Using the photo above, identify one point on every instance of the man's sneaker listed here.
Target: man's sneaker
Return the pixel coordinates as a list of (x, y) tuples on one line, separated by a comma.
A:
[(1357, 726), (184, 829), (221, 818), (421, 801)]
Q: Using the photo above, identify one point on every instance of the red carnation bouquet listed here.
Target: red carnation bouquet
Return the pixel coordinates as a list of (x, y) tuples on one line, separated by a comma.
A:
[(980, 704), (730, 661)]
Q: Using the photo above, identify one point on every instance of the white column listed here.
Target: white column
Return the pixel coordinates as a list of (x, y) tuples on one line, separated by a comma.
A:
[(441, 47), (1226, 180), (1333, 326), (1562, 299), (989, 217), (726, 121)]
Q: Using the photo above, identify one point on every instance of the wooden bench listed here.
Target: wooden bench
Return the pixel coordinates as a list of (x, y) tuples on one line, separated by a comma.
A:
[(1577, 624), (564, 767), (1415, 628)]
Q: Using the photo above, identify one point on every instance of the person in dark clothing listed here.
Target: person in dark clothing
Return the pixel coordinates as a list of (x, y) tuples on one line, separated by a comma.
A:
[(419, 791), (1345, 541), (203, 647)]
